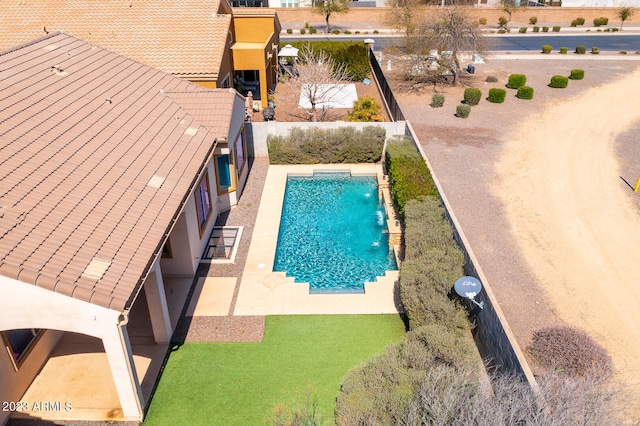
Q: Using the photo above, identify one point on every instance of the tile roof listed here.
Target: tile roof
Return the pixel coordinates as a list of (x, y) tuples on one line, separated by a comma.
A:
[(96, 162), (213, 109), (185, 37)]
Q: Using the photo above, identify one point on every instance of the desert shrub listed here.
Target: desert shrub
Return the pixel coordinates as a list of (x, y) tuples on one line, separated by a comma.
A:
[(289, 31), (502, 21), (559, 82), (492, 79), (581, 49), (502, 31), (497, 96), (522, 30), (569, 351), (574, 23), (335, 32), (576, 75), (623, 52), (536, 29), (607, 30), (525, 92), (357, 32), (598, 22), (482, 21), (463, 111), (346, 32), (365, 109), (306, 413), (545, 29), (546, 48), (533, 20), (354, 56), (313, 30), (375, 31), (563, 50), (595, 50), (579, 21), (409, 175), (556, 28), (437, 100), (615, 30), (516, 80), (315, 145), (303, 31), (472, 96)]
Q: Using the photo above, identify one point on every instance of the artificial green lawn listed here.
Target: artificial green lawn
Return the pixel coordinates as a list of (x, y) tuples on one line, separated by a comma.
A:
[(241, 383)]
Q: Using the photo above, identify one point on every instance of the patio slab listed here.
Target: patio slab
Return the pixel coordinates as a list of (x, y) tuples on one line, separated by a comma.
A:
[(264, 292), (212, 297)]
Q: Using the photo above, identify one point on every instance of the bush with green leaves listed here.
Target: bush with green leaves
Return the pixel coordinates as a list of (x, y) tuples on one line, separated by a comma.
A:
[(536, 29), (437, 100), (545, 29), (516, 80), (303, 31), (463, 111), (409, 175), (533, 20), (523, 30), (313, 30), (564, 50), (365, 109), (354, 56), (547, 49), (325, 146), (576, 74), (502, 21), (482, 21), (579, 21), (595, 50), (335, 32), (598, 22), (559, 82), (569, 351), (289, 31), (525, 92), (556, 28), (472, 96), (581, 49), (497, 96)]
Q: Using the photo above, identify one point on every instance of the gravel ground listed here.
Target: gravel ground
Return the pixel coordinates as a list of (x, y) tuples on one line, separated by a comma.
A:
[(464, 154)]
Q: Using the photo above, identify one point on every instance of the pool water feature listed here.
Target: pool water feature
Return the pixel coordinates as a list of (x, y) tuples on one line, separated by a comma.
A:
[(333, 232)]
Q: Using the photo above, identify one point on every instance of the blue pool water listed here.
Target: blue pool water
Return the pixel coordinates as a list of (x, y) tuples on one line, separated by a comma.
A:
[(331, 232)]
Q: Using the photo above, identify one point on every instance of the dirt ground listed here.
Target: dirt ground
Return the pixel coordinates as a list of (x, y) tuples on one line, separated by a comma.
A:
[(542, 189)]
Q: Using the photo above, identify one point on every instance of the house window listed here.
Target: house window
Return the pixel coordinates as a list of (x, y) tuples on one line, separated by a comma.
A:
[(19, 343), (290, 3), (240, 153), (224, 174), (203, 202)]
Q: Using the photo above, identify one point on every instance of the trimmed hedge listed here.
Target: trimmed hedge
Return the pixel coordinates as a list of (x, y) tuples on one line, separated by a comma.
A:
[(525, 92), (523, 30), (556, 28), (581, 49), (463, 111), (516, 80), (598, 22), (354, 56), (576, 75), (497, 96), (546, 48), (408, 173), (545, 29), (437, 100), (563, 50), (536, 29), (595, 50), (472, 96), (315, 145), (559, 82)]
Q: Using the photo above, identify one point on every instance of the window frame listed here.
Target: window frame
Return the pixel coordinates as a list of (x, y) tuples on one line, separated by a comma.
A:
[(205, 179), (17, 362), (232, 173), (244, 152)]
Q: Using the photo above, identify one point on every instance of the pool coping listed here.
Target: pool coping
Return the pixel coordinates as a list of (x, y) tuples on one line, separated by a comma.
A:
[(264, 292)]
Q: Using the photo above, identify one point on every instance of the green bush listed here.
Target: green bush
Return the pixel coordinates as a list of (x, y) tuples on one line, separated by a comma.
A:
[(354, 56), (313, 30), (357, 32), (375, 31), (523, 30), (568, 351), (502, 21), (564, 50), (525, 92), (463, 111), (303, 31), (546, 48), (576, 75), (502, 31), (346, 32), (315, 145), (545, 29), (408, 173), (365, 109), (559, 82), (289, 31), (497, 96), (579, 21), (615, 29), (536, 29), (516, 80), (607, 30), (437, 100), (595, 50), (335, 32), (556, 28), (533, 20), (623, 52), (472, 96), (598, 22), (581, 49), (482, 21)]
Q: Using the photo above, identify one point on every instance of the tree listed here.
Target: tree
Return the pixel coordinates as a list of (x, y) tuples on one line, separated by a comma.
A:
[(508, 6), (625, 13), (318, 81), (328, 7)]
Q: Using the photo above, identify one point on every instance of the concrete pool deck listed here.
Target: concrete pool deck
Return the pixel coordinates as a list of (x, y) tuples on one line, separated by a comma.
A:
[(264, 292)]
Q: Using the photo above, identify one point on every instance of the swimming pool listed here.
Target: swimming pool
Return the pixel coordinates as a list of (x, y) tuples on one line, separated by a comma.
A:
[(332, 232)]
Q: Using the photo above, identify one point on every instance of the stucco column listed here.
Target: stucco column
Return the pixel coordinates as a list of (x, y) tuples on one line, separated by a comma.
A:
[(118, 349), (157, 303)]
